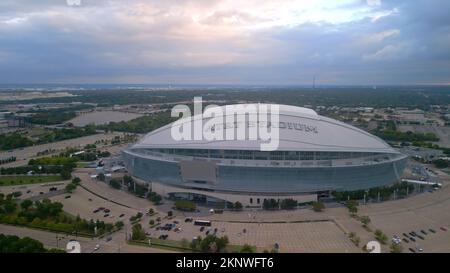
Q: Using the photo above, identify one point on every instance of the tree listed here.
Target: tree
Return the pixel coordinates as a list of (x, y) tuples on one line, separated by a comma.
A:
[(380, 236), (137, 233), (10, 206), (237, 205), (365, 220), (396, 248), (76, 180), (65, 174), (247, 249), (318, 206), (26, 204), (14, 244), (269, 204), (119, 224), (115, 184), (288, 204), (211, 243), (71, 187), (155, 198), (352, 206)]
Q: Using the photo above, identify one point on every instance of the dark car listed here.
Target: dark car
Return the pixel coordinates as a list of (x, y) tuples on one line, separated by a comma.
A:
[(432, 230), (424, 232), (67, 196), (405, 240), (106, 215), (202, 229), (412, 250), (122, 215), (412, 239), (420, 237), (95, 211), (106, 210)]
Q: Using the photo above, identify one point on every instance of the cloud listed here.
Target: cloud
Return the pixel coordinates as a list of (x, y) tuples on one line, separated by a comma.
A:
[(224, 41)]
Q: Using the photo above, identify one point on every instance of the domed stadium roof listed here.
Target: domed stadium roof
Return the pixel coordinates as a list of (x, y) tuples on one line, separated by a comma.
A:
[(300, 129)]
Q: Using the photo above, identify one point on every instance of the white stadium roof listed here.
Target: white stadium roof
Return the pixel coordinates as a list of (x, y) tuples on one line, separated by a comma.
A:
[(304, 130)]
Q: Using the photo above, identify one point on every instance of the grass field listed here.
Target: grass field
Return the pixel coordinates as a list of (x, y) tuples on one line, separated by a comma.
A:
[(82, 164), (27, 179)]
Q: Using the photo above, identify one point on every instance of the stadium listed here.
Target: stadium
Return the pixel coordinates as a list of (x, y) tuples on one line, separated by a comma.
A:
[(315, 156)]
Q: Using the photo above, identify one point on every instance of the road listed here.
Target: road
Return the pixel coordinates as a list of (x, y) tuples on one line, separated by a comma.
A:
[(55, 240)]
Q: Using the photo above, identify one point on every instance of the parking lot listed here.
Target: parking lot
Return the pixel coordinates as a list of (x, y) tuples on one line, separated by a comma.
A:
[(291, 237), (84, 203)]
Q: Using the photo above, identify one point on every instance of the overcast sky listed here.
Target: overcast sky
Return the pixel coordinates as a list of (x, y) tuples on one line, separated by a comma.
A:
[(225, 42)]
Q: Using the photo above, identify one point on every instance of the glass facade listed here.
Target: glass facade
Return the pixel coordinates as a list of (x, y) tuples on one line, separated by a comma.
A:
[(258, 155), (273, 179)]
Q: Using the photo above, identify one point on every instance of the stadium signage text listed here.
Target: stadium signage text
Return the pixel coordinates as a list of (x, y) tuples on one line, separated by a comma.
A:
[(281, 125)]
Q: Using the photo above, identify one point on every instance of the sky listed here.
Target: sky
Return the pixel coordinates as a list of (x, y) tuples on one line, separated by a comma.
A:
[(270, 42)]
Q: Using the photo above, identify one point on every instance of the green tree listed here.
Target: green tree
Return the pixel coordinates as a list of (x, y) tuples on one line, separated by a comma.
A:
[(14, 244), (76, 180), (288, 204), (237, 205), (365, 220), (247, 249), (119, 224), (26, 204), (318, 206), (396, 248), (71, 187), (380, 237), (137, 233), (115, 184), (65, 174)]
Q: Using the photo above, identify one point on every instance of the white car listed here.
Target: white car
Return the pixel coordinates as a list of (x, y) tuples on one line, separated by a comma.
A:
[(97, 247)]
